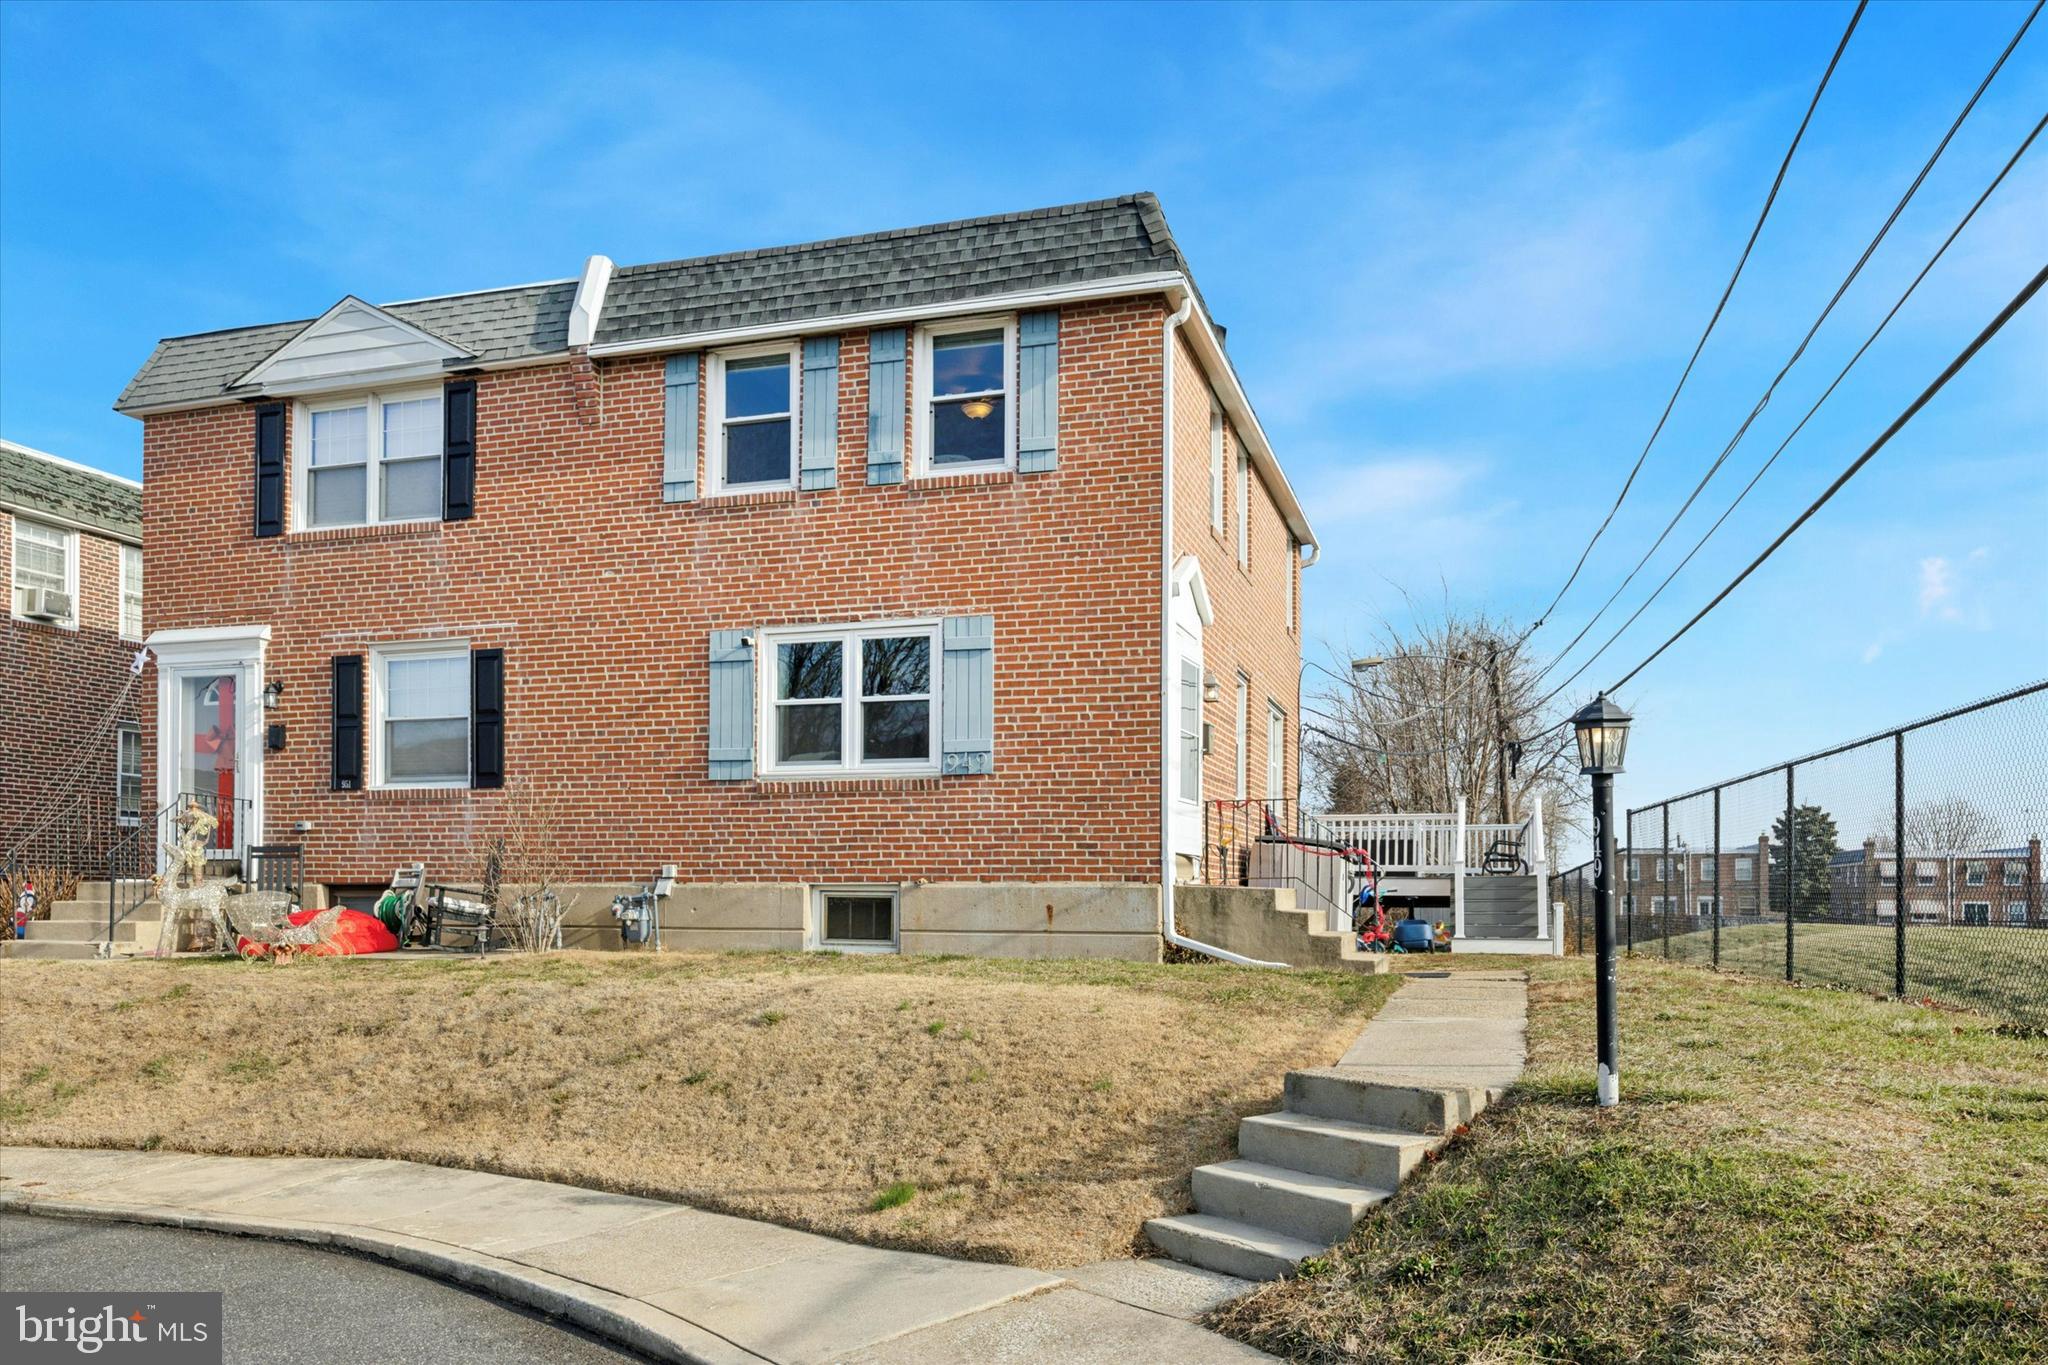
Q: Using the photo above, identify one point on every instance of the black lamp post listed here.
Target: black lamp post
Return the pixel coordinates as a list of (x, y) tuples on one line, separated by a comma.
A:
[(1603, 740)]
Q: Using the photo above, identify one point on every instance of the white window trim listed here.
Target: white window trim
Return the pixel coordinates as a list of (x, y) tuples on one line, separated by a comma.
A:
[(1276, 751), (373, 453), (2022, 917), (921, 423), (128, 552), (815, 940), (1745, 870), (1976, 874), (380, 656), (1709, 870), (1244, 736), (1705, 905), (1985, 906), (714, 416), (122, 730), (70, 570), (2013, 875), (850, 763), (1217, 478)]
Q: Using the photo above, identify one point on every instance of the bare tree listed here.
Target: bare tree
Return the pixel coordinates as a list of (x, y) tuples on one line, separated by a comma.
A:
[(519, 866), (1951, 824), (1428, 724)]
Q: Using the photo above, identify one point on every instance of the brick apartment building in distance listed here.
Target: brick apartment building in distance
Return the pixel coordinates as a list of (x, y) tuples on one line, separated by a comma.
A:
[(886, 586), (70, 738)]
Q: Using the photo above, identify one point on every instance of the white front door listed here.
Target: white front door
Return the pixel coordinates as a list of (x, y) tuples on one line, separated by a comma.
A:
[(209, 731)]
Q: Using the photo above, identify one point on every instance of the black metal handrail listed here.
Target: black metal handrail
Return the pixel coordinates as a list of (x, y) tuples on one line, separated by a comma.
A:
[(132, 861)]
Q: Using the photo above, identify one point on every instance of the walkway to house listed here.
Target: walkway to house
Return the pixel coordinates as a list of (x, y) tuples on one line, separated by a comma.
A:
[(1448, 1028), (672, 1282)]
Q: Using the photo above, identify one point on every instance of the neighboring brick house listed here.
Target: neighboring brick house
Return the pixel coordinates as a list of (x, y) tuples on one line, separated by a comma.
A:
[(1683, 882), (839, 576), (70, 746), (1992, 886)]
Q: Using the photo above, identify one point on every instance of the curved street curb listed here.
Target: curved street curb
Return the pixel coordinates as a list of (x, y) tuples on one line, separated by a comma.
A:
[(613, 1317)]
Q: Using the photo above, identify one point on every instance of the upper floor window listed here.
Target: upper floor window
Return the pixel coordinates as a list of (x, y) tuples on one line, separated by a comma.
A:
[(2014, 873), (1216, 479), (1923, 873), (1887, 874), (751, 416), (45, 573), (131, 592), (370, 458), (1745, 869), (963, 370), (850, 700), (1973, 874), (1709, 869)]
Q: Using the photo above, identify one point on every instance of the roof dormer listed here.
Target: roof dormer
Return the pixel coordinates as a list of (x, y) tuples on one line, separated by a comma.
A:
[(349, 345)]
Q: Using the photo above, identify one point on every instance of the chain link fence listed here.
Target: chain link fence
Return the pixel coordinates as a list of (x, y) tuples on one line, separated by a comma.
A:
[(1796, 871)]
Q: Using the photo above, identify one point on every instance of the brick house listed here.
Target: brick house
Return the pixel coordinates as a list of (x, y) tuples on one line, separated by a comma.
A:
[(1984, 887), (70, 742), (882, 585)]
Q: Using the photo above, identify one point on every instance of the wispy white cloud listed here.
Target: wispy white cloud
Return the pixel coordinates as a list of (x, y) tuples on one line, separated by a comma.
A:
[(1937, 588)]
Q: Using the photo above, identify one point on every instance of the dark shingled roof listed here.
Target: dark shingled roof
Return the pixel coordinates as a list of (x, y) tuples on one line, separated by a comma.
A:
[(906, 268), (501, 324), (34, 483)]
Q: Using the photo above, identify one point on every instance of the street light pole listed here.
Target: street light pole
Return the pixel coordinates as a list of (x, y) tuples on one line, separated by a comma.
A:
[(1603, 742), (1609, 1073)]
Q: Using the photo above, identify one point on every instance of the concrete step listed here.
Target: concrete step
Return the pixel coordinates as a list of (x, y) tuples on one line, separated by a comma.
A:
[(1314, 1208), (1357, 1152), (91, 930), (1228, 1246), (48, 949), (1339, 1092), (97, 909)]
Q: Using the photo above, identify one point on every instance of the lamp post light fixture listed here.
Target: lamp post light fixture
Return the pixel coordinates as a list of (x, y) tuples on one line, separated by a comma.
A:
[(1602, 729)]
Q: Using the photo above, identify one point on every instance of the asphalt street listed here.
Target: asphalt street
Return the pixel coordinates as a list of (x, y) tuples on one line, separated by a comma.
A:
[(292, 1305)]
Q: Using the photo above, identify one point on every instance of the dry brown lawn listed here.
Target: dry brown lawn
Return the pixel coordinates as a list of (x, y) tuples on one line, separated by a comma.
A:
[(1039, 1111)]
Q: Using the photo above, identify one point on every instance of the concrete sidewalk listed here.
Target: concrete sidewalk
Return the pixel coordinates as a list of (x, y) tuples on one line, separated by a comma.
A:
[(672, 1282), (1448, 1029)]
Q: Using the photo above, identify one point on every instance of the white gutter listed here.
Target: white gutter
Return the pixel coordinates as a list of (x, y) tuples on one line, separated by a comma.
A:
[(1167, 680)]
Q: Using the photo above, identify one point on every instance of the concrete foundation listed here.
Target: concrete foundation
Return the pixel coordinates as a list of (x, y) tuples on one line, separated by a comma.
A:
[(997, 919)]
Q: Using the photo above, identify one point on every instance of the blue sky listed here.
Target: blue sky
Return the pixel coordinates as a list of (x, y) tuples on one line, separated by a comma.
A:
[(1462, 252)]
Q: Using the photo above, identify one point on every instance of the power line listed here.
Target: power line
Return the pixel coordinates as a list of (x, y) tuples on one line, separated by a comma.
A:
[(1968, 353), (1770, 199), (1804, 342), (1868, 341)]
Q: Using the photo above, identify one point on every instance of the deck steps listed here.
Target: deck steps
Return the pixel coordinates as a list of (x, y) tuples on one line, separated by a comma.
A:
[(1304, 1176)]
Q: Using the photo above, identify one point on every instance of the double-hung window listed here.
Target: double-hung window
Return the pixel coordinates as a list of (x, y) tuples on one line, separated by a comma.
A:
[(2015, 874), (1745, 869), (371, 458), (1974, 874), (751, 414), (1709, 869), (128, 774), (851, 700), (45, 562), (964, 419), (1276, 751), (421, 714), (1923, 873), (131, 592)]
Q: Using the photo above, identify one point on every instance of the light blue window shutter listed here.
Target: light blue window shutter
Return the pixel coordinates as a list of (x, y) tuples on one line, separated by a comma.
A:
[(732, 706), (819, 466), (679, 431), (1038, 392), (968, 735), (885, 405)]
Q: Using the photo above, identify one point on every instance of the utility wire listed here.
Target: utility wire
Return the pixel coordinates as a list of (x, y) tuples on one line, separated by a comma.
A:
[(1968, 353), (1804, 341), (1770, 199), (1876, 332)]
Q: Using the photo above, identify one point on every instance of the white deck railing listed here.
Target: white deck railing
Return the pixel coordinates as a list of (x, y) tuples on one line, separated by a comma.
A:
[(1442, 844)]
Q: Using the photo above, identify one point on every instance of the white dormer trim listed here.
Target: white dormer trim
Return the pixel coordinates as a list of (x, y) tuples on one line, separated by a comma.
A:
[(351, 345), (588, 305), (1188, 579)]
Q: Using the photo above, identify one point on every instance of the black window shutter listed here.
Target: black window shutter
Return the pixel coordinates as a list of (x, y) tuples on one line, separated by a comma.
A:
[(487, 717), (270, 470), (348, 722), (458, 418)]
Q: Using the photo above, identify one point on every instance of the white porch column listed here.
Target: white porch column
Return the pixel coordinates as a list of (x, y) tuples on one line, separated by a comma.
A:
[(1540, 865), (1458, 873)]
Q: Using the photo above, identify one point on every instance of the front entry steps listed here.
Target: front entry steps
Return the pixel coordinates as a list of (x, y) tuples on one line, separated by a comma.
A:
[(1305, 1175), (77, 929)]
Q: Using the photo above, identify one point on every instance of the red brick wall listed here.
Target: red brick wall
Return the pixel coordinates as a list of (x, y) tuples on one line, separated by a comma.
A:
[(1253, 631), (602, 597), (57, 690)]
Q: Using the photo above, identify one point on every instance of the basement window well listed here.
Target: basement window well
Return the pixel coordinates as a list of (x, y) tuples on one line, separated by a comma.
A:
[(859, 920)]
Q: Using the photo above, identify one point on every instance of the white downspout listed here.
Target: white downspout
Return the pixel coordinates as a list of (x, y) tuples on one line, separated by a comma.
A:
[(1167, 679)]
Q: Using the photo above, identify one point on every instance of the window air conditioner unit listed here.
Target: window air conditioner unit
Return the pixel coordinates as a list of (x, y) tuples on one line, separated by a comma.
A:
[(46, 604)]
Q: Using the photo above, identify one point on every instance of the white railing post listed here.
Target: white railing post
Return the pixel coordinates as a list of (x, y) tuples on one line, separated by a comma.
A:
[(1539, 863), (1458, 873)]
